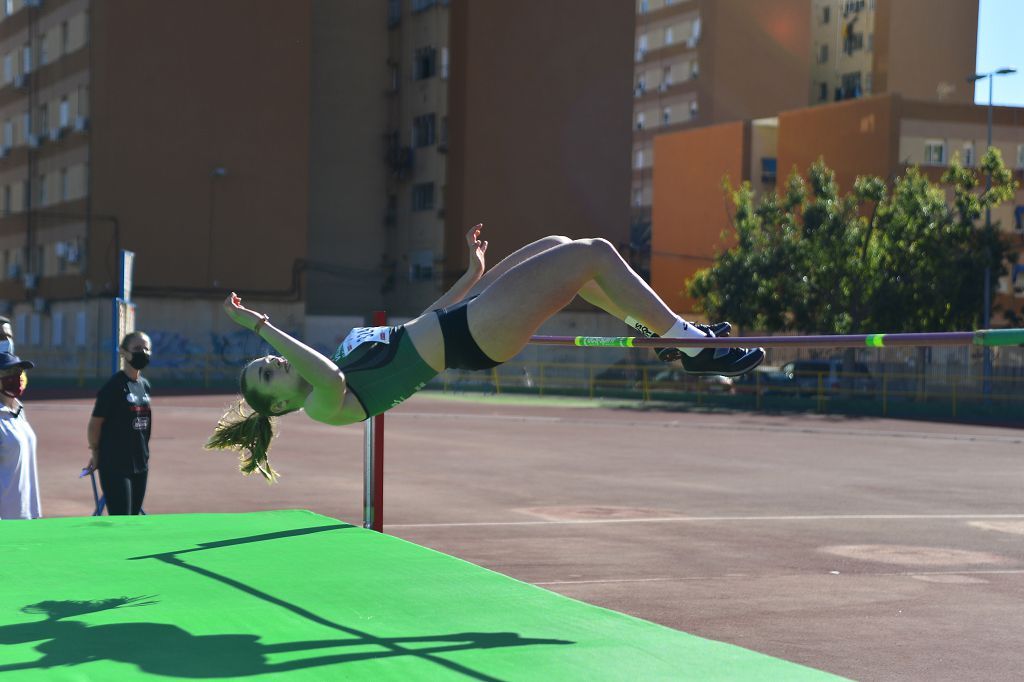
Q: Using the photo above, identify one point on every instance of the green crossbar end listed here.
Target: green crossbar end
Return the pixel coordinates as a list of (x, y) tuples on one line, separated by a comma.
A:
[(605, 342), (999, 337), (875, 341)]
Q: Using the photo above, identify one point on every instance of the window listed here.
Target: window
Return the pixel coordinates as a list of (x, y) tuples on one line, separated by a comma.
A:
[(421, 266), (8, 133), (8, 68), (666, 77), (26, 59), (423, 130), (639, 159), (423, 196), (36, 329), (822, 54), (669, 36), (638, 198), (421, 5), (424, 63), (641, 43), (935, 152), (871, 42), (7, 200), (65, 38), (826, 14), (64, 112), (63, 184), (8, 7), (394, 12), (79, 329), (20, 325), (694, 69), (44, 56), (968, 154), (666, 115), (640, 121), (44, 117), (444, 134), (822, 92), (43, 194), (641, 86), (57, 329), (1020, 156), (693, 109), (444, 63)]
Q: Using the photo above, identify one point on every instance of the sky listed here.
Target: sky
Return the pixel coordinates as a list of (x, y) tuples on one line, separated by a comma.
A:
[(1000, 45)]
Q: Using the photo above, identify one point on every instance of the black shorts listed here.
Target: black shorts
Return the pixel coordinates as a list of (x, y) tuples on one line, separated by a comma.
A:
[(460, 348)]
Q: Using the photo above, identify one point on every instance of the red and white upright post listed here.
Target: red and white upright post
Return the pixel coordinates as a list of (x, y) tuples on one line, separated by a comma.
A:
[(373, 459)]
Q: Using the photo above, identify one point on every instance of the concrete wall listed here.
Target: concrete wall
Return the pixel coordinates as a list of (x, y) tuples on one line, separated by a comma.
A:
[(690, 208), (539, 123), (347, 194), (177, 94), (856, 137), (754, 58)]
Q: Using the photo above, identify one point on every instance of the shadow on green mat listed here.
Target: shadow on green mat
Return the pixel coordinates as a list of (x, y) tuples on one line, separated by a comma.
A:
[(162, 649)]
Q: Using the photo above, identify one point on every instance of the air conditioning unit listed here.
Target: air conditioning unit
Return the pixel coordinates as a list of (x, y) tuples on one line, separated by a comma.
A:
[(81, 123), (21, 81)]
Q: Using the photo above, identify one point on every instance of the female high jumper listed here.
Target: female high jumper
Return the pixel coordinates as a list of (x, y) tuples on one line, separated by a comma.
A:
[(482, 321)]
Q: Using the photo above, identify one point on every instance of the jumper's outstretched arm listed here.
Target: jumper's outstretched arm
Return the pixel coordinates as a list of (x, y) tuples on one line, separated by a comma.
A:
[(474, 271)]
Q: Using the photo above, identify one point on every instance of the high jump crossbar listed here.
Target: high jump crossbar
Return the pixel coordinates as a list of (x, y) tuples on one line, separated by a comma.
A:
[(982, 337)]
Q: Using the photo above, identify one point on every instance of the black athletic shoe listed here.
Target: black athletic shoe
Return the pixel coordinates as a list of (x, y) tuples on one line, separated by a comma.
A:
[(672, 354), (728, 362)]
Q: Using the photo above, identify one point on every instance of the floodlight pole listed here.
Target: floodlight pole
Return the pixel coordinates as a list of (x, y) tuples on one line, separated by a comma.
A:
[(987, 311)]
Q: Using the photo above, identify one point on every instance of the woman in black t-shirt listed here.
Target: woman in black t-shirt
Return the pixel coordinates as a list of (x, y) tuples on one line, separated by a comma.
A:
[(119, 430)]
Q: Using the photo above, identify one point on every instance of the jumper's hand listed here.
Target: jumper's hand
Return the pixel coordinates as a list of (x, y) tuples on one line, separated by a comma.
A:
[(477, 249), (242, 315)]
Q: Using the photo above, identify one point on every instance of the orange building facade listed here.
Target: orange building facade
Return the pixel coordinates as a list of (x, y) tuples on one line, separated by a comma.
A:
[(881, 135)]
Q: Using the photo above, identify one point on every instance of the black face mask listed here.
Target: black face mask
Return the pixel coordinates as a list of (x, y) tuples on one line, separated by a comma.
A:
[(139, 360)]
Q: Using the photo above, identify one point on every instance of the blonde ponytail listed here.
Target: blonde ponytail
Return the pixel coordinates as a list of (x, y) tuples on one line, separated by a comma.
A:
[(249, 432)]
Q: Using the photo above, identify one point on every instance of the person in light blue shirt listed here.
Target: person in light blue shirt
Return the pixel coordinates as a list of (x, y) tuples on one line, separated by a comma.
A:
[(19, 478)]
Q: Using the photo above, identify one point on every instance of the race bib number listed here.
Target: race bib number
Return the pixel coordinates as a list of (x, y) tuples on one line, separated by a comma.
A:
[(361, 335)]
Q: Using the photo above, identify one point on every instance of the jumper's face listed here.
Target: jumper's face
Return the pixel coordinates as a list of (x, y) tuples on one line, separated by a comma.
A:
[(273, 377)]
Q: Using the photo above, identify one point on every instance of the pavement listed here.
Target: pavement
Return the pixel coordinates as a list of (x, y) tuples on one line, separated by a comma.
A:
[(873, 549)]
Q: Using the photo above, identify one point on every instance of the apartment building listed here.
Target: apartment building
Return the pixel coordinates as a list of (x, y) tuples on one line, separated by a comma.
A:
[(708, 62), (703, 62), (880, 135), (920, 49), (118, 132), (323, 159)]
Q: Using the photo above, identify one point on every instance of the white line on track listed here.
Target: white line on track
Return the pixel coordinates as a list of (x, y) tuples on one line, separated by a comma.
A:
[(717, 519), (907, 574)]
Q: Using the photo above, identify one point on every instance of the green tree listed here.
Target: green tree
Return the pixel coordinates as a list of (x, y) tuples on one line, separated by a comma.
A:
[(812, 260)]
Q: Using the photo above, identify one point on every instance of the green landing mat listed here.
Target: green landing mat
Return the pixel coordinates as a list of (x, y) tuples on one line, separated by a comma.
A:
[(291, 595)]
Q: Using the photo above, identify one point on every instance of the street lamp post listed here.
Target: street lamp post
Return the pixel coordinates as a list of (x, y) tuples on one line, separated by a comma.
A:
[(987, 311)]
